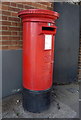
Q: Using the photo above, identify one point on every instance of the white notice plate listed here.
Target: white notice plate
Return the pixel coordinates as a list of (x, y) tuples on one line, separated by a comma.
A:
[(48, 42)]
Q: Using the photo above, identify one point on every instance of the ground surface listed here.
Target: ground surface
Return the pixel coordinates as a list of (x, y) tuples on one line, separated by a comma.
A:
[(64, 104), (0, 109)]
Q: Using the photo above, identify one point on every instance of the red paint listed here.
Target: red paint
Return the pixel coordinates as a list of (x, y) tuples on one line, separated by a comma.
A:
[(37, 62)]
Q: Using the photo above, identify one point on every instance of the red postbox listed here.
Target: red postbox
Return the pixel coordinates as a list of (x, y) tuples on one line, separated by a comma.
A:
[(38, 57)]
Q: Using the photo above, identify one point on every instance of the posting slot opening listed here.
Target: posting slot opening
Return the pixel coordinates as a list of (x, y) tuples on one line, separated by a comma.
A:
[(48, 28)]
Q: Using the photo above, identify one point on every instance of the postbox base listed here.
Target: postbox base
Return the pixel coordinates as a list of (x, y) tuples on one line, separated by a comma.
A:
[(36, 101)]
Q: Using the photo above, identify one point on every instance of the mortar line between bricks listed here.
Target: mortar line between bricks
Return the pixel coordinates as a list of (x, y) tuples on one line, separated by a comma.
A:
[(10, 30), (10, 21), (8, 15), (11, 40), (14, 36), (13, 45), (10, 35), (11, 49), (11, 26), (4, 15)]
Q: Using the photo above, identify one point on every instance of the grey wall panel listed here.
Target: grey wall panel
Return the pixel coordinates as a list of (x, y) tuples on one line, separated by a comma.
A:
[(66, 43), (0, 74), (12, 71), (79, 60)]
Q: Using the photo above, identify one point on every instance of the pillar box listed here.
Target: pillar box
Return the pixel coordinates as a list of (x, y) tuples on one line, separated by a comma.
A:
[(38, 57)]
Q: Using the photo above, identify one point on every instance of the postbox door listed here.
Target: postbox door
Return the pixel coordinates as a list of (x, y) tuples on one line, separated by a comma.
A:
[(46, 57)]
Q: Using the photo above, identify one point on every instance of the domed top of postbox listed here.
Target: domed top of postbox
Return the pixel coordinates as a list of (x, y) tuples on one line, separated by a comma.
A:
[(38, 14)]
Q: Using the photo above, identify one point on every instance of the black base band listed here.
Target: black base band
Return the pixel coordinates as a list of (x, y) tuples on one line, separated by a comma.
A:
[(36, 101)]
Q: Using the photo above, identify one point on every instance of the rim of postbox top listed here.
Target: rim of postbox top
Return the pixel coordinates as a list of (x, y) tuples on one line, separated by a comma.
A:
[(38, 12)]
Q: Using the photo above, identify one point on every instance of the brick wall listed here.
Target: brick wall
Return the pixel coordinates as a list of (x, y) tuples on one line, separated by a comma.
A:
[(11, 24)]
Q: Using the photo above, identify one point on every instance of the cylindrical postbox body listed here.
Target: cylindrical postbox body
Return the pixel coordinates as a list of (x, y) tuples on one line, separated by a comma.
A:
[(38, 57)]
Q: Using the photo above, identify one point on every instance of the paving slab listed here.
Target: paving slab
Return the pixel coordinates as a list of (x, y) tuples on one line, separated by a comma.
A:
[(64, 104)]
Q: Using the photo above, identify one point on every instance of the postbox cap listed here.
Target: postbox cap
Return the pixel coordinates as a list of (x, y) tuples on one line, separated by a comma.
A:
[(39, 13)]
